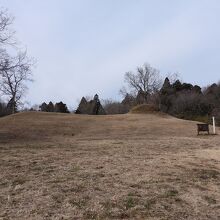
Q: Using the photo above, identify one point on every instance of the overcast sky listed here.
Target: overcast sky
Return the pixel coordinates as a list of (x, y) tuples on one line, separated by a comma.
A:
[(84, 47)]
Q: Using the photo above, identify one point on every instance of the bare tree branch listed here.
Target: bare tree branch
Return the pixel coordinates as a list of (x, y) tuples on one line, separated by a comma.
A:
[(6, 33)]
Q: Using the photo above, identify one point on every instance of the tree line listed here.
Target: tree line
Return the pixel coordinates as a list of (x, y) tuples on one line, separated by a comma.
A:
[(142, 86), (50, 107), (182, 100)]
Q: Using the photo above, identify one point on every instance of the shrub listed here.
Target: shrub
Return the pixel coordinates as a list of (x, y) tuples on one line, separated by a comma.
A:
[(114, 107), (3, 109)]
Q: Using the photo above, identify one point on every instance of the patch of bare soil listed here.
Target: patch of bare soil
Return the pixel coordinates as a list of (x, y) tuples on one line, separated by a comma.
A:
[(62, 166)]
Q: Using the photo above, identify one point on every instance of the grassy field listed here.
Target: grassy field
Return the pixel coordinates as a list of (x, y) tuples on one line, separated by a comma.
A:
[(133, 166)]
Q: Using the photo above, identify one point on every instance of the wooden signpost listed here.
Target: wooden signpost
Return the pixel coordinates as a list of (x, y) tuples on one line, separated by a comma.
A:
[(205, 127), (202, 128), (213, 120)]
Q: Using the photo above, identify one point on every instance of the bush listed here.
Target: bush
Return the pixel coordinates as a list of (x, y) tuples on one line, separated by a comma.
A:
[(61, 107), (216, 114), (113, 107), (3, 109), (58, 107)]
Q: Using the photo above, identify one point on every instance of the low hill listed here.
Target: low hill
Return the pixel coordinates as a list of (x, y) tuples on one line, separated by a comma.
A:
[(39, 125), (144, 109), (132, 166)]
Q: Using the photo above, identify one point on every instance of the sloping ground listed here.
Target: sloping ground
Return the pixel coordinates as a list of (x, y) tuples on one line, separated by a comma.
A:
[(145, 109), (133, 166), (39, 125)]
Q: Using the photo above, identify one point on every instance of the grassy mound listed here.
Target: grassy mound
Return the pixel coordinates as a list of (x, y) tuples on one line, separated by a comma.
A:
[(144, 109)]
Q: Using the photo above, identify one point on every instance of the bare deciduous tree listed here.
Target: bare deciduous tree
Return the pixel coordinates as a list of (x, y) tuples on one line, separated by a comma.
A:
[(146, 80), (15, 70), (13, 78)]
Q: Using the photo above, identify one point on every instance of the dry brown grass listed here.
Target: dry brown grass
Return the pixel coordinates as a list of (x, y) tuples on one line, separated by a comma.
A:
[(62, 166), (145, 109)]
